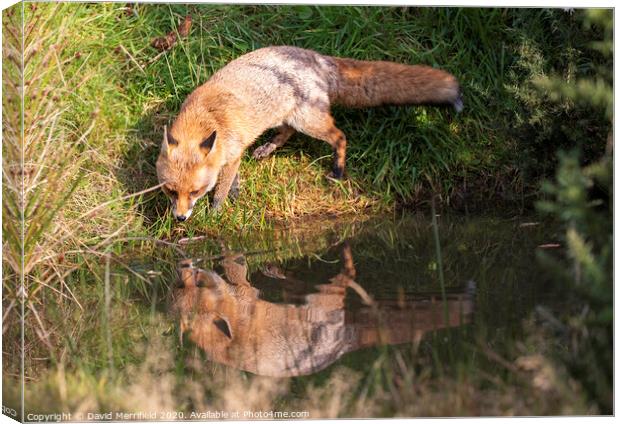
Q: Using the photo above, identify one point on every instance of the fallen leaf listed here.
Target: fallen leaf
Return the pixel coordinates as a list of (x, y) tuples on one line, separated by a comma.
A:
[(165, 43), (185, 26), (170, 39)]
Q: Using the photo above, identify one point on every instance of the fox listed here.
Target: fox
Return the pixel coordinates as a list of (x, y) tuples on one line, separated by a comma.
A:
[(289, 89), (225, 316)]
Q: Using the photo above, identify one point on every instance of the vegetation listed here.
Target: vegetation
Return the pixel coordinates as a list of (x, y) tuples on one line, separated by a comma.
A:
[(582, 197), (77, 188), (500, 146)]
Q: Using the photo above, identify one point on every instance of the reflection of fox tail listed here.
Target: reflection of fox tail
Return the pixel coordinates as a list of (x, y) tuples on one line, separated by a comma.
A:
[(392, 323), (365, 84)]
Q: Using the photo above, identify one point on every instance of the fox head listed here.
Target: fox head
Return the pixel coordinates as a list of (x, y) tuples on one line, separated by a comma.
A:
[(189, 164), (206, 304)]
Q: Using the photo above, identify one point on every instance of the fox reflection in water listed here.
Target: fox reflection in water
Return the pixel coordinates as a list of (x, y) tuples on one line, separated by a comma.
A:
[(234, 326)]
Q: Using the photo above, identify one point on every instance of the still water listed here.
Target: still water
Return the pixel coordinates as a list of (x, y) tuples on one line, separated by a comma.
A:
[(387, 299), (322, 295), (293, 319)]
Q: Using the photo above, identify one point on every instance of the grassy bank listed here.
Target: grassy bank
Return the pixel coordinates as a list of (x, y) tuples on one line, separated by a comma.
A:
[(502, 144)]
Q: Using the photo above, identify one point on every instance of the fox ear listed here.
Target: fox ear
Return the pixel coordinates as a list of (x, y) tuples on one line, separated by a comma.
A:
[(223, 326), (168, 142), (208, 143)]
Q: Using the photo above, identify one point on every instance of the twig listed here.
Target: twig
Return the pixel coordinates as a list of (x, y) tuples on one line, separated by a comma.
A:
[(6, 314), (363, 294), (44, 334), (155, 58), (132, 58), (107, 311), (109, 202), (186, 240)]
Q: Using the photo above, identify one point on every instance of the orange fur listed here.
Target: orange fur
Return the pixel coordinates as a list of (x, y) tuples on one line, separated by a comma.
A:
[(366, 84), (226, 318)]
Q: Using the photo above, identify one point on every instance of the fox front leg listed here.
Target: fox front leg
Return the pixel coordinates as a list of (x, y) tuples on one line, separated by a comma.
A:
[(234, 189), (228, 176)]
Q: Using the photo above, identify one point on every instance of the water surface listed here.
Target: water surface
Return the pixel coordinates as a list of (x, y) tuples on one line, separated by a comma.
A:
[(302, 304)]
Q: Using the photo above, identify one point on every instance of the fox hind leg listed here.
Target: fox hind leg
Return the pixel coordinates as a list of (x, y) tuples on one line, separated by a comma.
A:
[(323, 128), (284, 133)]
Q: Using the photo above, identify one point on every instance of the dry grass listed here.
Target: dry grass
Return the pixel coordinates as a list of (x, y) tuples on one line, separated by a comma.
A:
[(387, 390), (66, 222)]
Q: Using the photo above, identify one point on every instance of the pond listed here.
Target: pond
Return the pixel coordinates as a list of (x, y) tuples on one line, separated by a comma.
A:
[(277, 321)]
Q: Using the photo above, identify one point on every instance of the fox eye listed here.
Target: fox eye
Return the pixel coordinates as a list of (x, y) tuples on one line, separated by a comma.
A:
[(195, 193), (171, 192)]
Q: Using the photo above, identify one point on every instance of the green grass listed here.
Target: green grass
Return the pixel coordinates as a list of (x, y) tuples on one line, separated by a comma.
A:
[(396, 155)]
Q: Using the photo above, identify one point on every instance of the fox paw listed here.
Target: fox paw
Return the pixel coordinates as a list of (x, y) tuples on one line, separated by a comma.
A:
[(215, 205), (336, 174), (233, 194), (264, 151)]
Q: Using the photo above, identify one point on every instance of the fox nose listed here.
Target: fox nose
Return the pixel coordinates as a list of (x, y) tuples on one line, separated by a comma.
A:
[(181, 218)]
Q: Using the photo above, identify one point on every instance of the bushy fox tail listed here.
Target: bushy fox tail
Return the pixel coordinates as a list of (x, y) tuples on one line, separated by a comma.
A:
[(365, 84)]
